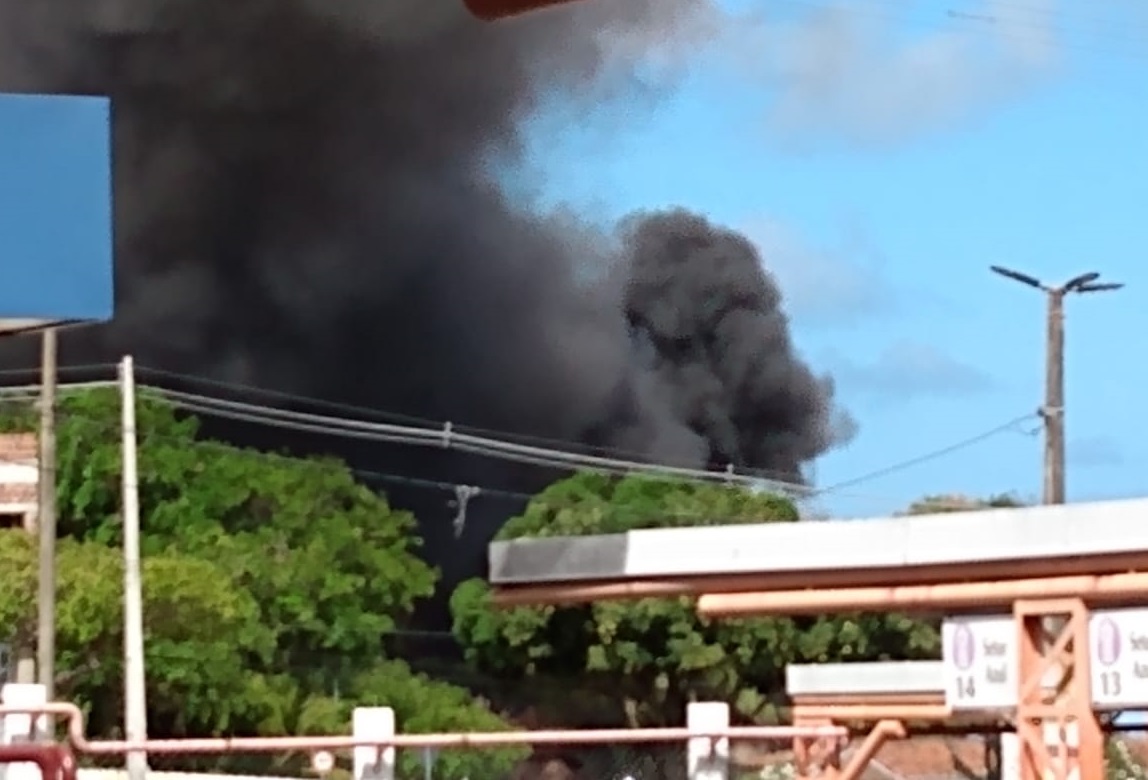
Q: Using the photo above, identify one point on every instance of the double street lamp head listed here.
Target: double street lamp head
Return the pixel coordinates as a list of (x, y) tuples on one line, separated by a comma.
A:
[(1085, 283)]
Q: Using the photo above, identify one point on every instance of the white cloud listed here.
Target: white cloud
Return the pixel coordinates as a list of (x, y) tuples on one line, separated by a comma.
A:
[(823, 284), (880, 72), (907, 369)]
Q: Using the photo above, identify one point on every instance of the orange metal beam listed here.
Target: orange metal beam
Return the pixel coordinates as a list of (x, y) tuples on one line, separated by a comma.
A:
[(961, 595), (75, 719), (581, 593), (850, 713), (54, 761), (881, 733), (890, 698)]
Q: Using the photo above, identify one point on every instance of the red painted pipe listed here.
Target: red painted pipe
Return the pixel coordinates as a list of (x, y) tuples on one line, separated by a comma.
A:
[(493, 10), (55, 761)]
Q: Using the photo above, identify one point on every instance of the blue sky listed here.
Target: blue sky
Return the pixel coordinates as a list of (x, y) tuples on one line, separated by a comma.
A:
[(882, 154)]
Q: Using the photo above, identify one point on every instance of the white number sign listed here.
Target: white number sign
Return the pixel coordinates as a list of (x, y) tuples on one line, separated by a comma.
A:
[(1119, 640), (980, 662)]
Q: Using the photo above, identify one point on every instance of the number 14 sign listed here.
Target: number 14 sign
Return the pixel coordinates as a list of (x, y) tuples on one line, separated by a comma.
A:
[(980, 662)]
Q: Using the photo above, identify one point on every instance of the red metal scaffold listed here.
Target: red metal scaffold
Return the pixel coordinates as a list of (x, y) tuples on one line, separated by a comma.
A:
[(1060, 734)]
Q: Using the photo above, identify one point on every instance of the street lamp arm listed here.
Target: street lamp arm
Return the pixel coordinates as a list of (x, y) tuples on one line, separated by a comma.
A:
[(1031, 281), (1101, 287), (1080, 281)]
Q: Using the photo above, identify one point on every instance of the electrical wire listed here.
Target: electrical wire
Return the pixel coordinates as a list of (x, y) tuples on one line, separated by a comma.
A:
[(1010, 426), (360, 411), (448, 438), (458, 495), (488, 447), (428, 433), (537, 456), (368, 414), (419, 431), (1019, 26)]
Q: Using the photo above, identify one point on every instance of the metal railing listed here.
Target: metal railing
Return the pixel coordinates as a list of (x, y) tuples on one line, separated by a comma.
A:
[(74, 720)]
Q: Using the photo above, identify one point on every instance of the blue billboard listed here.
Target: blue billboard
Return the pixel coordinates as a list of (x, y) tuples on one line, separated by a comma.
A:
[(56, 211)]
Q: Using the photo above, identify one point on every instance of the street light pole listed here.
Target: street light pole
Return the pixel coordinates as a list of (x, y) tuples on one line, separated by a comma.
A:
[(135, 681), (1053, 410), (46, 593), (1054, 491)]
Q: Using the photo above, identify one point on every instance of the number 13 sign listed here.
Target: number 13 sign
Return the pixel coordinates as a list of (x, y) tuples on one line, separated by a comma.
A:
[(1119, 642)]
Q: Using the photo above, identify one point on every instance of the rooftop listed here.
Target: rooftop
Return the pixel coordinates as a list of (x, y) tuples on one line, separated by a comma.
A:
[(1052, 537)]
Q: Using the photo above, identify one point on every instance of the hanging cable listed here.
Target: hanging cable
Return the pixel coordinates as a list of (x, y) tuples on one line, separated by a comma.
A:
[(462, 496)]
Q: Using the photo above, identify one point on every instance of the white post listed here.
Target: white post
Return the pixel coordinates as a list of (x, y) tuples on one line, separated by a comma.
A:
[(1010, 756), (1061, 744), (707, 759), (17, 728), (135, 691), (371, 763)]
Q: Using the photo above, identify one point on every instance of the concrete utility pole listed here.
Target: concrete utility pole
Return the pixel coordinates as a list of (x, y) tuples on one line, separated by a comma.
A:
[(46, 525), (1053, 414), (135, 689), (1053, 410)]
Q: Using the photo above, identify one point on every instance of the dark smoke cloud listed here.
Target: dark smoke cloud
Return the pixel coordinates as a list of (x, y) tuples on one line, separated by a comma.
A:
[(305, 202), (712, 330)]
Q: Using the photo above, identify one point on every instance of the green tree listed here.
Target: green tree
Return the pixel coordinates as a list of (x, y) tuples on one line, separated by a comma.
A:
[(421, 705), (424, 705), (331, 564), (199, 632), (644, 660), (269, 581), (1120, 763), (955, 502)]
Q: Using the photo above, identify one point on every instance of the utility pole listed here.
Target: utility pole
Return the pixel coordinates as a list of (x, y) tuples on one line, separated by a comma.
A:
[(1053, 410), (42, 665), (135, 692), (1053, 414), (46, 524)]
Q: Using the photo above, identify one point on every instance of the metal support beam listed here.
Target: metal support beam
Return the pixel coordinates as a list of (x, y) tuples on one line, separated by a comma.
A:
[(820, 757), (1060, 736), (816, 756)]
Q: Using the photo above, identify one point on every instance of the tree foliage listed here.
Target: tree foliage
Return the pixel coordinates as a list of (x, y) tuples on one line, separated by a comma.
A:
[(200, 629), (1120, 763), (331, 564), (269, 583), (646, 659), (955, 502)]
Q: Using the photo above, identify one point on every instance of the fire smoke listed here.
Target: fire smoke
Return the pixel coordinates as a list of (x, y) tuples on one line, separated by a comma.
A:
[(305, 201)]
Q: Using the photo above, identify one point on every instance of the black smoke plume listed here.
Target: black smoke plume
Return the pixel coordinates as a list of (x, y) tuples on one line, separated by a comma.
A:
[(305, 201)]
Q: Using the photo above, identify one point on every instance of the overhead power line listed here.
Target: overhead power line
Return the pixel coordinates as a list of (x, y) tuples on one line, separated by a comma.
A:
[(251, 393), (449, 439), (1007, 22), (446, 436), (457, 494), (1010, 426), (277, 399)]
